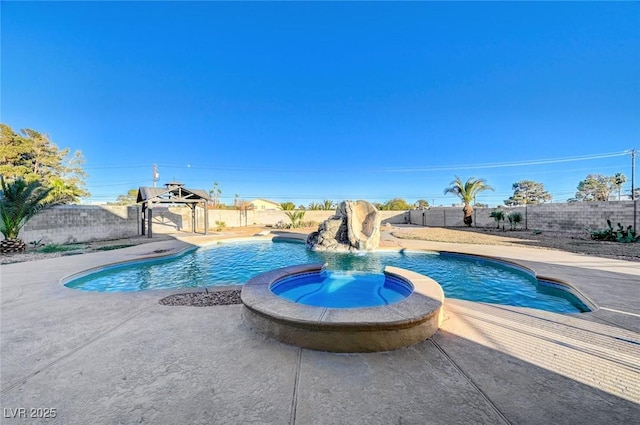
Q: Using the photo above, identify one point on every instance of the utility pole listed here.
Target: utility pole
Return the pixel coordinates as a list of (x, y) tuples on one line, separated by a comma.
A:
[(156, 175), (633, 189)]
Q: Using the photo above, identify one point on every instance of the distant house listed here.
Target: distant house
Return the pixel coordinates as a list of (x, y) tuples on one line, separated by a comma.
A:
[(264, 204)]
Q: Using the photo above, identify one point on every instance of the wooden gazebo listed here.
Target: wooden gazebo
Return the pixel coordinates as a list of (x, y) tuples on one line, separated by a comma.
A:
[(173, 193)]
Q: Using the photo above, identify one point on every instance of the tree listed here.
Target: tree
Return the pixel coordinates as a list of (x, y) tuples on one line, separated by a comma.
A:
[(395, 204), (19, 202), (288, 206), (618, 180), (315, 206), (328, 204), (528, 192), (498, 216), (467, 192), (514, 218), (62, 192), (129, 199), (595, 187), (421, 204), (296, 218), (215, 193), (31, 156)]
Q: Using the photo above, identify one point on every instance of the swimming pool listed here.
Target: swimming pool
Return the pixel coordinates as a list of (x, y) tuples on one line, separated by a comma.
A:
[(234, 263)]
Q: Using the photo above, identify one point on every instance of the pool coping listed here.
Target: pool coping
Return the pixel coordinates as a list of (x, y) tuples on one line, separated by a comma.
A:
[(362, 329)]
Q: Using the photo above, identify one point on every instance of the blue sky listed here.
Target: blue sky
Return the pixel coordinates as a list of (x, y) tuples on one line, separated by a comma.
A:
[(305, 101)]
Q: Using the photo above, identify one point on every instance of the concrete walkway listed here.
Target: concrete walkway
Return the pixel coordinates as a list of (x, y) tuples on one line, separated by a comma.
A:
[(122, 358)]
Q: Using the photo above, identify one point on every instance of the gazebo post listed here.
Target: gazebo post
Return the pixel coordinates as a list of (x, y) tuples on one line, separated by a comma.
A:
[(206, 217), (149, 216), (143, 215), (193, 217)]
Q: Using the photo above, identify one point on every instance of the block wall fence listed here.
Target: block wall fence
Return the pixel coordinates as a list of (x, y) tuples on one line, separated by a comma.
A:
[(84, 223), (569, 217), (172, 219)]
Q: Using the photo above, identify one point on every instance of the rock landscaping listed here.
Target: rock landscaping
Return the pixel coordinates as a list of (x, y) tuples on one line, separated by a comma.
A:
[(204, 299)]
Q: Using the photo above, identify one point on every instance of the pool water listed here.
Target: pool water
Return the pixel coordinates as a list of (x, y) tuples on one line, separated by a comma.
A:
[(341, 289), (234, 263)]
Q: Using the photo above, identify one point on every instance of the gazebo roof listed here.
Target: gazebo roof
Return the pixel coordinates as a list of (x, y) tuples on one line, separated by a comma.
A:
[(173, 193)]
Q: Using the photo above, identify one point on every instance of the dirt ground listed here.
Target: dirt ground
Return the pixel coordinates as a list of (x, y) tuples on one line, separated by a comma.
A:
[(571, 242)]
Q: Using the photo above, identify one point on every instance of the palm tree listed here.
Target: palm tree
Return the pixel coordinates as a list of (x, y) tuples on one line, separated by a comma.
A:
[(514, 219), (328, 204), (296, 218), (215, 193), (19, 202), (618, 180), (498, 216), (467, 192)]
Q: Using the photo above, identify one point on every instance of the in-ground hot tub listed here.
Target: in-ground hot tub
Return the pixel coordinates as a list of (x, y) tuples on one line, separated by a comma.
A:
[(342, 289), (333, 326)]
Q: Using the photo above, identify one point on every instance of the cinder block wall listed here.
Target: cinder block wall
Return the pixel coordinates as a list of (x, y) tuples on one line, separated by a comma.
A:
[(570, 217), (82, 223), (453, 216), (167, 220), (578, 216)]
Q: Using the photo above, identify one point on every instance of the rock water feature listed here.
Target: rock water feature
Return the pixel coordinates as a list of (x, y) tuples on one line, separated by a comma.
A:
[(354, 227)]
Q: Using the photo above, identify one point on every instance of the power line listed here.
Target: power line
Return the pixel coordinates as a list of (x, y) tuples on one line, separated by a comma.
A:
[(510, 164), (384, 169)]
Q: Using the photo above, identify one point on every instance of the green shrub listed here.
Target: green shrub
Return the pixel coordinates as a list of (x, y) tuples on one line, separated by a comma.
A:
[(112, 247), (515, 218), (498, 216), (621, 234), (48, 249), (296, 218)]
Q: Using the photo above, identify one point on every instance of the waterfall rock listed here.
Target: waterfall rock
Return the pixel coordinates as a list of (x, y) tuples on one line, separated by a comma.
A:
[(354, 227)]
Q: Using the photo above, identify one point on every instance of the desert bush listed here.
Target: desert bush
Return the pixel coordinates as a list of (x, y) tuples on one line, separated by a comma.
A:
[(621, 234), (59, 248), (514, 218), (498, 216)]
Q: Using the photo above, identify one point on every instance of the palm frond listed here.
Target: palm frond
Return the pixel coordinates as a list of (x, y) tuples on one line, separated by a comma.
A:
[(19, 202)]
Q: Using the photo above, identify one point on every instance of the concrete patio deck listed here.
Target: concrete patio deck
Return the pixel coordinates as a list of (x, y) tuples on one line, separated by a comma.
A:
[(122, 358)]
